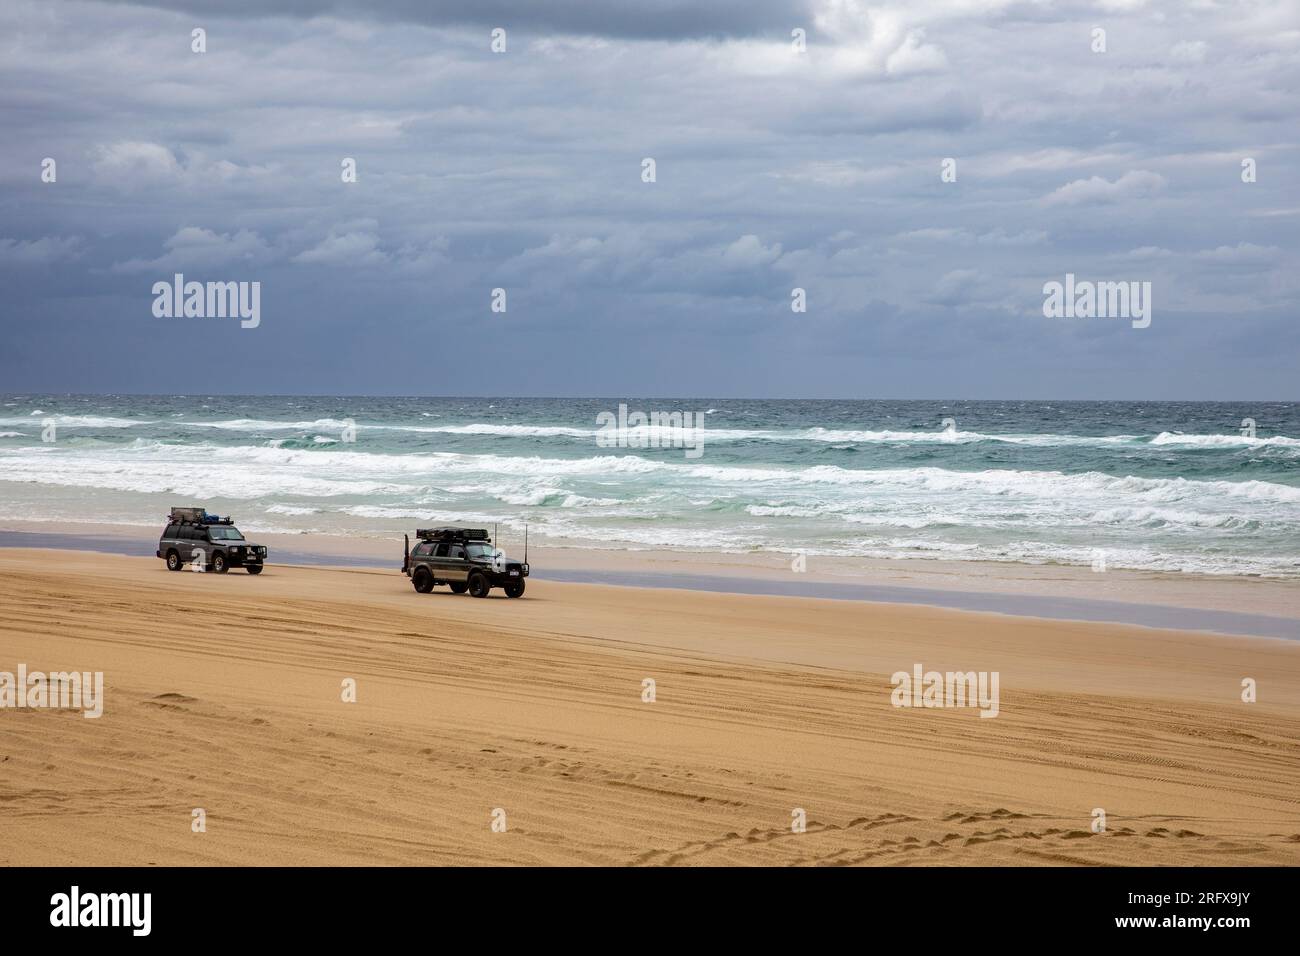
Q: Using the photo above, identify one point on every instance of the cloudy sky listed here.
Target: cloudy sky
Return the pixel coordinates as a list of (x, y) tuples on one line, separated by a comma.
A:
[(775, 170)]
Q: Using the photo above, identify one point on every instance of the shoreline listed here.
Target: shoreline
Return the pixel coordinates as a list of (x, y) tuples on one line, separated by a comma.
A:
[(1231, 606)]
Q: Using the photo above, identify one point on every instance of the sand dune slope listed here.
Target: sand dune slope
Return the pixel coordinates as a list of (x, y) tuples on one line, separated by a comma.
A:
[(224, 693)]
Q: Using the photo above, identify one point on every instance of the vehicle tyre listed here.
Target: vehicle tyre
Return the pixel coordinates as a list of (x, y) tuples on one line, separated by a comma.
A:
[(458, 587), (174, 561), (478, 585), (515, 589), (422, 580), (219, 562), (254, 569)]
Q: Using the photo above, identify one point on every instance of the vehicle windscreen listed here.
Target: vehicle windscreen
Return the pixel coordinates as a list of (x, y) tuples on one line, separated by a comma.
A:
[(480, 551), (225, 533)]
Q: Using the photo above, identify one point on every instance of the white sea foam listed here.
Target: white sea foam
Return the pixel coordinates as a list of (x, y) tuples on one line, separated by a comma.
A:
[(291, 510), (264, 425), (140, 460), (79, 421), (1223, 441), (1034, 515), (506, 431), (843, 437)]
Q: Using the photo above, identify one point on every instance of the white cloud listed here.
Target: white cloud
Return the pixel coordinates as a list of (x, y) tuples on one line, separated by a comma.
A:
[(344, 249), (132, 164), (1052, 158), (193, 247), (955, 287), (994, 237), (1000, 237), (839, 174), (876, 39), (1135, 184), (748, 252), (934, 234), (1242, 252), (915, 56), (1147, 252), (124, 161)]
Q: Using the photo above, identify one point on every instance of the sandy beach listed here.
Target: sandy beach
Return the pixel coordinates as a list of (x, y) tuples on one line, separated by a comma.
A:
[(1272, 597), (223, 692)]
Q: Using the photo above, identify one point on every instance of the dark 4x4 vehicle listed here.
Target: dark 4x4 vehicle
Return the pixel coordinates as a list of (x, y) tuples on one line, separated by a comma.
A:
[(464, 559), (205, 542)]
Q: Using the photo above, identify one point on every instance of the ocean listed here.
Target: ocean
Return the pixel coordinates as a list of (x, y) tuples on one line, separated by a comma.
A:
[(1161, 486)]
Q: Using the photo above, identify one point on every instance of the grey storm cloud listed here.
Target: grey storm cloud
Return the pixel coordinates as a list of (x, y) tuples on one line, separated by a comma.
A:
[(776, 169), (645, 19)]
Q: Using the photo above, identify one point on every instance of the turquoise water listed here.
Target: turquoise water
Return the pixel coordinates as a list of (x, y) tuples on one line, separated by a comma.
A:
[(1161, 486)]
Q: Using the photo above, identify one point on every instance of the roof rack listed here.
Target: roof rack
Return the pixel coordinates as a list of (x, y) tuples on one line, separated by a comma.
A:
[(452, 534), (196, 516)]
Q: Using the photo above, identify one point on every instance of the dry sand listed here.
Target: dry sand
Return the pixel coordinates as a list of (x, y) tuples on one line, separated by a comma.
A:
[(223, 693)]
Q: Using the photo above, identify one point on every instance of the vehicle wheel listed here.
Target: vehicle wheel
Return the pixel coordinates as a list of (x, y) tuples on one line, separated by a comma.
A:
[(478, 585), (219, 563), (174, 561), (458, 587), (422, 580), (254, 569), (515, 589)]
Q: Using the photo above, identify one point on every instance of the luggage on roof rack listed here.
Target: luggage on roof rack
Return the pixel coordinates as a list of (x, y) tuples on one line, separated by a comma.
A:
[(196, 516)]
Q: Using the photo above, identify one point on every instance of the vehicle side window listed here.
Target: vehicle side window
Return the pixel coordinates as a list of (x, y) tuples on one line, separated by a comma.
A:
[(442, 550), (186, 533), (170, 532), (458, 552), (423, 550)]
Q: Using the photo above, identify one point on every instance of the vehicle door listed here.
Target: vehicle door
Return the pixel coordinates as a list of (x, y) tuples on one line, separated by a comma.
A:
[(454, 561), (195, 549)]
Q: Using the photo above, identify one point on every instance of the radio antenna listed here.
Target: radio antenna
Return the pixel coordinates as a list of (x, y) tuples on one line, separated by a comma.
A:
[(525, 542)]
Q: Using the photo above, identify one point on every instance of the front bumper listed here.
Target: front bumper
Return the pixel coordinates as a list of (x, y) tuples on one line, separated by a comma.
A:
[(511, 573), (243, 557)]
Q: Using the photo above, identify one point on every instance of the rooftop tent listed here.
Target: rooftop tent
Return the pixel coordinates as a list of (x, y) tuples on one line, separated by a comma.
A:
[(452, 534)]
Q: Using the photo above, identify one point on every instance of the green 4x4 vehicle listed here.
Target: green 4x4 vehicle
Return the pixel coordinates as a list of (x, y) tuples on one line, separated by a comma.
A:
[(464, 559), (205, 542)]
